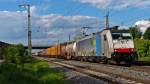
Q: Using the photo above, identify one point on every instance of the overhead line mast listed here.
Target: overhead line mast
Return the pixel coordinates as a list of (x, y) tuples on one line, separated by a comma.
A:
[(107, 20), (29, 29)]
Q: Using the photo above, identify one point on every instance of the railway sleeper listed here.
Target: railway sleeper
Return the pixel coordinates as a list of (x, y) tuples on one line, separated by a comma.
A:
[(95, 59)]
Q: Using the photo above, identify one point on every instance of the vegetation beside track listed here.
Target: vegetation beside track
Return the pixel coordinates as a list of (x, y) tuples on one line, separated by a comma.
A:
[(143, 49), (35, 72), (18, 68), (142, 43)]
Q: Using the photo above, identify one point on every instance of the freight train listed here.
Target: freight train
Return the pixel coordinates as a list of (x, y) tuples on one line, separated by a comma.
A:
[(108, 45)]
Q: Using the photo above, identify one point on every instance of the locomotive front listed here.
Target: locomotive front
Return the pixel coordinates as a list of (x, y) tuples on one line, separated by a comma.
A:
[(123, 46)]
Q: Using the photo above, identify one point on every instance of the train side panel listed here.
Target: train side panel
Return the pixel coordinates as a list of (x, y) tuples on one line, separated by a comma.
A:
[(107, 45), (86, 47), (54, 51), (90, 47), (57, 51), (63, 51), (70, 50), (48, 52)]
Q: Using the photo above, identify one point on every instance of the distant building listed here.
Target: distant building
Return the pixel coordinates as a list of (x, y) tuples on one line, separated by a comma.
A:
[(143, 25)]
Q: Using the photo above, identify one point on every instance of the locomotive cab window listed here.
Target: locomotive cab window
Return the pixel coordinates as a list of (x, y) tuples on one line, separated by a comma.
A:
[(105, 38), (116, 36), (126, 35)]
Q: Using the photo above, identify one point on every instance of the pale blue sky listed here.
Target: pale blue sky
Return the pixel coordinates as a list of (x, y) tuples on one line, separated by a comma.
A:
[(55, 19)]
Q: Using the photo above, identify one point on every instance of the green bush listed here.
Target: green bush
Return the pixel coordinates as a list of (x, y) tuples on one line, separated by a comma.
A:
[(19, 68), (34, 72), (143, 48), (147, 34), (136, 33), (15, 54)]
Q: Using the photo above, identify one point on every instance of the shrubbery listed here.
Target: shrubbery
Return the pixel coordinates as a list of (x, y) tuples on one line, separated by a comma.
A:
[(15, 54), (35, 72), (147, 34), (18, 69), (142, 45), (143, 49), (135, 32)]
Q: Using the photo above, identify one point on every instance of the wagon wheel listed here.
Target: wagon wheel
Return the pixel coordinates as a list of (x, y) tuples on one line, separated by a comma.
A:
[(104, 60)]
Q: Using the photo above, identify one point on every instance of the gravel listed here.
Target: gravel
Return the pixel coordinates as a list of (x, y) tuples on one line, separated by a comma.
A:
[(77, 77), (114, 70)]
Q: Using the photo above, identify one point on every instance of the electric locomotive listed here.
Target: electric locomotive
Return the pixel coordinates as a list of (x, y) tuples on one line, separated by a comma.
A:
[(118, 45), (111, 44)]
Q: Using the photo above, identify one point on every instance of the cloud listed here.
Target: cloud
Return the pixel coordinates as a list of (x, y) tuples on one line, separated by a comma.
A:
[(97, 3), (12, 23), (121, 4), (116, 4), (46, 29), (142, 25)]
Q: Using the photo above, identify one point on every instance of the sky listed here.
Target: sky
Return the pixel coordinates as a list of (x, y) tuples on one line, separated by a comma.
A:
[(54, 20)]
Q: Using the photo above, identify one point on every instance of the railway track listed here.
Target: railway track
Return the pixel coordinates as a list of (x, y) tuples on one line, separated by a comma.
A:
[(133, 67), (91, 73), (102, 75), (141, 68), (141, 63), (121, 79)]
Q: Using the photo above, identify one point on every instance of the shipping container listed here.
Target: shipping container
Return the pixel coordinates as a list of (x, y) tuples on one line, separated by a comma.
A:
[(54, 51)]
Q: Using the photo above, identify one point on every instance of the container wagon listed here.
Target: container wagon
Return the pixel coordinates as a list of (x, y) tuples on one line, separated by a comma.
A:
[(54, 51)]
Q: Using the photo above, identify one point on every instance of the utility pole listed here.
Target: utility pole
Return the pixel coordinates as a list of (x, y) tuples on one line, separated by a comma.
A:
[(107, 20), (29, 29), (69, 37)]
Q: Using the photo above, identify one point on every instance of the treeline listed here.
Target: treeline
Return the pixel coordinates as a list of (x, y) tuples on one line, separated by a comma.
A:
[(142, 43)]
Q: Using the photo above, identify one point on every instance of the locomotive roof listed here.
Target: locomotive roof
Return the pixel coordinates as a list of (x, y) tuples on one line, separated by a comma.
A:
[(112, 29), (88, 37), (119, 31), (65, 43), (116, 30)]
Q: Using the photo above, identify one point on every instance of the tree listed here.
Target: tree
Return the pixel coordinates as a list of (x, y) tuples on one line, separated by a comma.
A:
[(136, 33), (147, 34), (15, 54)]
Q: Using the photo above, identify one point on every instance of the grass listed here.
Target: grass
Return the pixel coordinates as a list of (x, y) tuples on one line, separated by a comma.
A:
[(145, 58), (35, 72)]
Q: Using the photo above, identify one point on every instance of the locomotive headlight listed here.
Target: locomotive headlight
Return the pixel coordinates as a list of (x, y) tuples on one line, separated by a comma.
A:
[(115, 50), (132, 49)]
